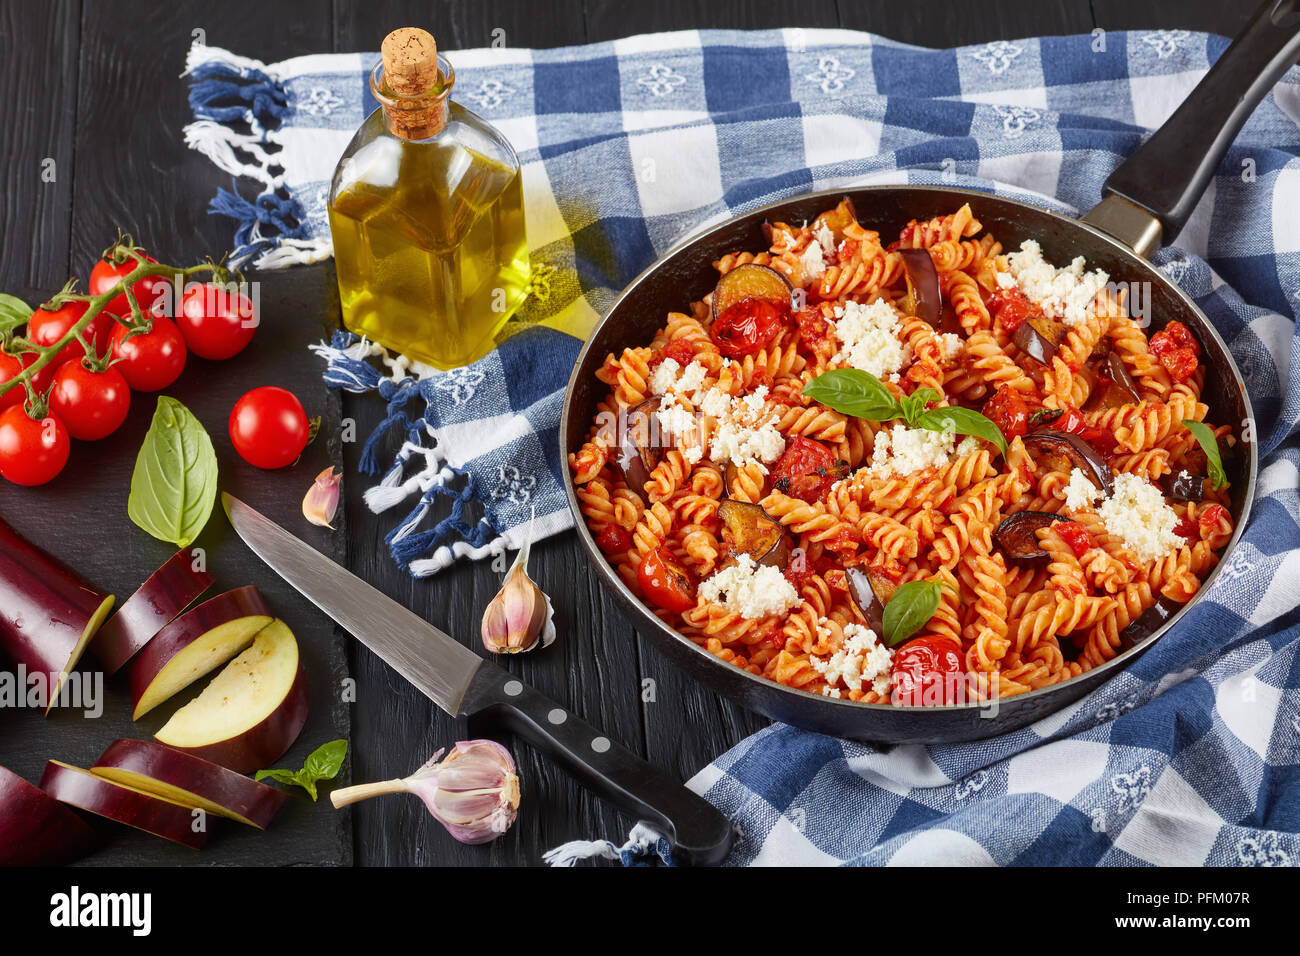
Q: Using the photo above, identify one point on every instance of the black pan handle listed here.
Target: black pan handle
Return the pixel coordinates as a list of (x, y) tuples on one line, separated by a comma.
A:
[(698, 831), (1170, 171)]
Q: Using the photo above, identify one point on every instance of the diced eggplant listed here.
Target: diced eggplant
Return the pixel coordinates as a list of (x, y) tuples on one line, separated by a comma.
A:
[(1117, 388), (751, 281), (748, 529), (1148, 622), (923, 297), (1016, 535), (1184, 487), (638, 454), (1040, 344), (870, 592), (1064, 451)]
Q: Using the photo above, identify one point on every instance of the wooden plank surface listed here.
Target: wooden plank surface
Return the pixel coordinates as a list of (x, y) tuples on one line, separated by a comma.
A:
[(103, 99)]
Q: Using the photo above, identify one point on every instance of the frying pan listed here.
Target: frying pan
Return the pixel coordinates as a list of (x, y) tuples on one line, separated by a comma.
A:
[(1151, 194)]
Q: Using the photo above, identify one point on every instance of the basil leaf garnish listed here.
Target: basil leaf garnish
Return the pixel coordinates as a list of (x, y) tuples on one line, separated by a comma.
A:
[(174, 484), (852, 391), (322, 764), (1209, 443), (914, 405), (962, 421), (912, 605)]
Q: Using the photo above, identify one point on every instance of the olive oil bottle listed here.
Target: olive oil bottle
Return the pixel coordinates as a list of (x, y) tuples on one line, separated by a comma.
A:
[(427, 215)]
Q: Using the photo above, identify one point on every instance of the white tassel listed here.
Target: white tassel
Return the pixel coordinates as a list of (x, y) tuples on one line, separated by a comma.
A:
[(641, 838), (382, 497)]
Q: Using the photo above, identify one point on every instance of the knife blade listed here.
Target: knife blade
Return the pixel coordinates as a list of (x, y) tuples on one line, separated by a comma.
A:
[(464, 684)]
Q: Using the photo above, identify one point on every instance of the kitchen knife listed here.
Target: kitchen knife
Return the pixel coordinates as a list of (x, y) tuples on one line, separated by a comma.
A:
[(462, 683)]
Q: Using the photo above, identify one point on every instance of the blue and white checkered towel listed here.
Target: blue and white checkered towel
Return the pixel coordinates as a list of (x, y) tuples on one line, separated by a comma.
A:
[(1190, 756)]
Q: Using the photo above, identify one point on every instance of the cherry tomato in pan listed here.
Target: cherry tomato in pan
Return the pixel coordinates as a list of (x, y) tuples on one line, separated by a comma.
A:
[(613, 540), (1076, 536), (31, 452), (1012, 308), (746, 327), (269, 428), (148, 291), (664, 581), (807, 470), (91, 404), (1177, 350), (1008, 410), (47, 326), (926, 670), (151, 360), (217, 323)]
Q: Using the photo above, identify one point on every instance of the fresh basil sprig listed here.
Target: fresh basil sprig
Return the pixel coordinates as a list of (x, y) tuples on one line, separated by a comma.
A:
[(911, 606), (13, 312), (1209, 443), (174, 485), (323, 764), (851, 391)]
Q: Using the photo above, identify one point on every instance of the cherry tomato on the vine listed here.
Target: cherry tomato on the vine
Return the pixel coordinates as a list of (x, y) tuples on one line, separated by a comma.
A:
[(91, 404), (664, 581), (31, 452), (217, 323), (150, 360), (926, 670), (269, 428), (47, 326), (148, 291)]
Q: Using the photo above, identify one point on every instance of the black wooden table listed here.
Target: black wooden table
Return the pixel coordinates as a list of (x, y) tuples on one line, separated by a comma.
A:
[(95, 87)]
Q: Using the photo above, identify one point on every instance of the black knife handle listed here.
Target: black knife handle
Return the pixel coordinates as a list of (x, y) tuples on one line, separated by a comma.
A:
[(698, 831)]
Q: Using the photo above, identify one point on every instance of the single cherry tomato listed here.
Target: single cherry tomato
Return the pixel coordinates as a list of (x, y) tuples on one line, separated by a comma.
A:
[(664, 581), (807, 470), (92, 405), (1007, 410), (1076, 536), (268, 427), (217, 323), (746, 327), (10, 366), (31, 452), (1010, 307), (149, 292), (814, 331), (48, 325), (680, 351), (151, 360), (613, 540), (926, 670), (1177, 350)]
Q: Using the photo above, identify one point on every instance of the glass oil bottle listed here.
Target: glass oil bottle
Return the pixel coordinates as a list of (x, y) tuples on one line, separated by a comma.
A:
[(427, 215)]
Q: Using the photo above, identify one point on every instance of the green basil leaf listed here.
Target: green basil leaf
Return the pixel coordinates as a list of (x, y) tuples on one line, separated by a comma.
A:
[(174, 484), (912, 605), (851, 391), (1209, 443), (280, 776), (913, 405), (13, 312), (963, 421), (322, 764)]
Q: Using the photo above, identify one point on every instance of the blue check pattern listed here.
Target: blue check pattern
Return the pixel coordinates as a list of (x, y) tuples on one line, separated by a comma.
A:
[(1191, 756)]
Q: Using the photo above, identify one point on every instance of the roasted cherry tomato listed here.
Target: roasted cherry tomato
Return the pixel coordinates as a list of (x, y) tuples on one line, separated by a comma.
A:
[(1076, 536), (1012, 308), (149, 292), (1071, 420), (680, 351), (31, 452), (814, 331), (664, 581), (926, 670), (91, 404), (47, 326), (1007, 410), (217, 323), (269, 428), (1177, 350), (151, 360), (613, 540), (746, 327), (807, 470)]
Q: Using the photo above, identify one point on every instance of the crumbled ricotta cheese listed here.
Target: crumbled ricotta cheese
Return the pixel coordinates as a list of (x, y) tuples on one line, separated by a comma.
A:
[(1080, 492), (1137, 513), (869, 341), (813, 261), (692, 378), (862, 658), (825, 239), (745, 431), (950, 346), (1068, 293), (679, 421), (901, 450), (750, 589), (664, 377)]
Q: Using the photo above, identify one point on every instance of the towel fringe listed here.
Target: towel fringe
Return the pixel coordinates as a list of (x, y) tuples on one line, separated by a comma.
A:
[(642, 843)]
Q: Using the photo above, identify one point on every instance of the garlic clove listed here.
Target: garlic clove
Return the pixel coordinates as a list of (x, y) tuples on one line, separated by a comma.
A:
[(322, 499), (521, 616)]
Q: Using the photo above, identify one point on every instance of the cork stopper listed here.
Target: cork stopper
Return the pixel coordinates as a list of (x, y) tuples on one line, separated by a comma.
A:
[(413, 94)]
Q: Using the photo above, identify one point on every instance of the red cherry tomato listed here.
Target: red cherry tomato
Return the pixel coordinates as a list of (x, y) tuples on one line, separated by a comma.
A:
[(1177, 350), (31, 452), (814, 331), (151, 360), (10, 366), (613, 540), (1076, 536), (92, 405), (268, 427), (148, 292), (1012, 308), (746, 327), (926, 670), (1186, 528), (1007, 410), (1213, 515), (47, 326), (217, 323), (664, 581), (680, 351), (807, 470)]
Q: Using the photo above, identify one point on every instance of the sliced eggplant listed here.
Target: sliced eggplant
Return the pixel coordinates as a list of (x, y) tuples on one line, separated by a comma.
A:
[(949, 322), (638, 454), (1148, 622), (1117, 385), (870, 592), (1016, 535), (751, 281), (748, 529), (1063, 451), (1039, 343), (924, 299), (1184, 487)]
